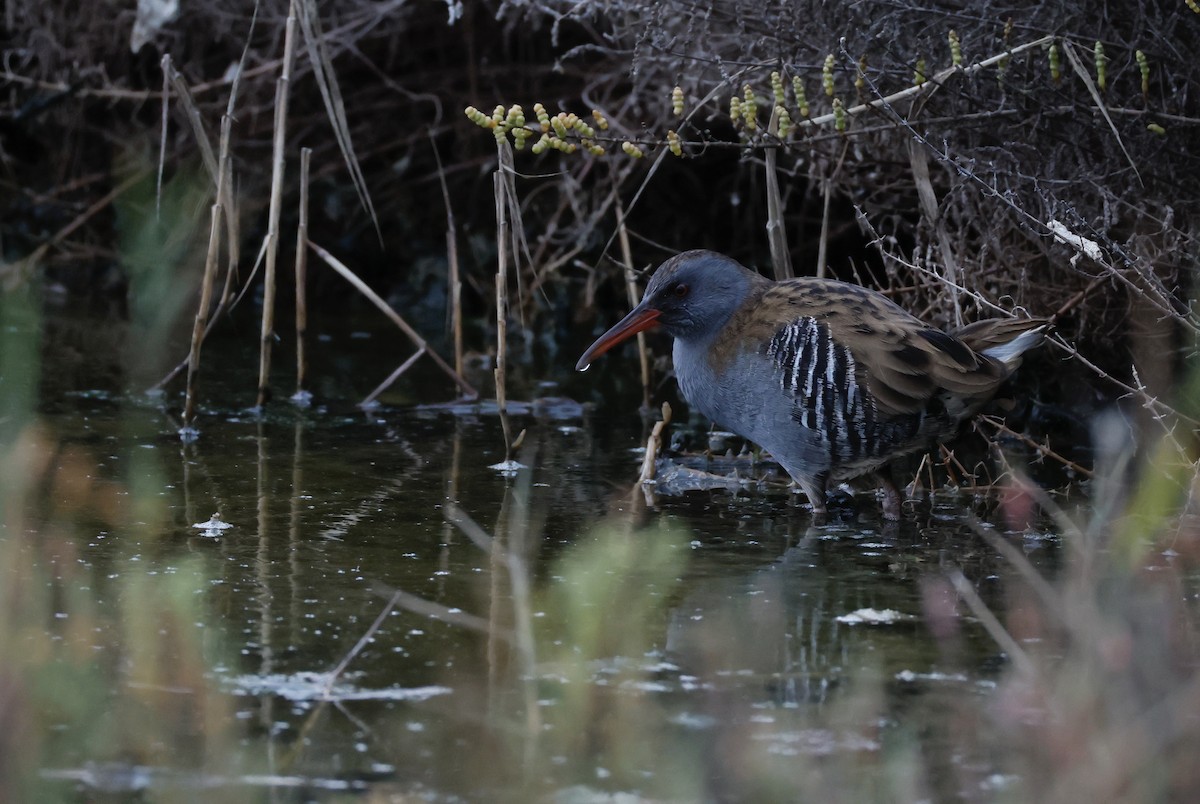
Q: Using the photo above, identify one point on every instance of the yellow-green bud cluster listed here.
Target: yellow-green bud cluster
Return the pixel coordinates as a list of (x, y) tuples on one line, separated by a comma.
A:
[(735, 108), (785, 122), (515, 122), (955, 48), (827, 75), (1144, 68), (749, 108), (839, 115), (1155, 128), (1055, 63), (543, 117), (674, 144), (479, 118), (919, 72), (559, 124), (601, 120), (559, 144), (801, 96), (777, 88), (677, 101), (1193, 5), (860, 77), (501, 122), (631, 149), (1101, 66), (579, 125), (592, 148)]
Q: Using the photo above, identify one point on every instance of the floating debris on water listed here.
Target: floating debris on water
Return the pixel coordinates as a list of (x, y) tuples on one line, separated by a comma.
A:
[(873, 617), (213, 526), (313, 686)]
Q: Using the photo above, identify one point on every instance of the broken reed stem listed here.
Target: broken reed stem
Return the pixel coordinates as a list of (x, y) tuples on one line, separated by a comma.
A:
[(206, 288), (362, 287), (781, 258), (224, 197), (631, 286), (395, 375), (654, 445), (282, 87), (197, 122), (302, 274)]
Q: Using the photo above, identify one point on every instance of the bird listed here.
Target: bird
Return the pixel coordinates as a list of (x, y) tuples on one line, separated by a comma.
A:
[(834, 380)]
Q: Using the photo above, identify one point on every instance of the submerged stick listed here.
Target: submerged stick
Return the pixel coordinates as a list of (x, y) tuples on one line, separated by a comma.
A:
[(653, 445), (373, 297), (301, 277), (395, 375), (282, 87)]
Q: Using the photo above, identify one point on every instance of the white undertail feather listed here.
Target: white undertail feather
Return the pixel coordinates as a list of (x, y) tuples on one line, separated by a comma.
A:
[(1010, 353)]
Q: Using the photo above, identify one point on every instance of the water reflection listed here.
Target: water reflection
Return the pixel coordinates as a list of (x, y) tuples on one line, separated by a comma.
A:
[(388, 613)]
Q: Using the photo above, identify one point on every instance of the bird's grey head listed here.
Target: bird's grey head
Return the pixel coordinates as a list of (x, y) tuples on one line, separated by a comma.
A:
[(696, 292)]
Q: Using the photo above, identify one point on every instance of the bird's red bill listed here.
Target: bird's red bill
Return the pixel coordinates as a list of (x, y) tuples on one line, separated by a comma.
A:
[(639, 320)]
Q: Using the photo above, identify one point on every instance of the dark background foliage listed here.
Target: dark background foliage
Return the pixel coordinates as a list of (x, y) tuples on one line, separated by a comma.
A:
[(1008, 150)]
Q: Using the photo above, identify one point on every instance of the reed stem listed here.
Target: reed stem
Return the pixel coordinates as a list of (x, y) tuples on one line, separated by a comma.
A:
[(282, 87), (302, 277)]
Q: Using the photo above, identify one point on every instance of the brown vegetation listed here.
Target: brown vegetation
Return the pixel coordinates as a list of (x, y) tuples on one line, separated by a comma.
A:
[(1027, 169)]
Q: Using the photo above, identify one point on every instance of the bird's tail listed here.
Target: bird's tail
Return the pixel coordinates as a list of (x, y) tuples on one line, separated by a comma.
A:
[(1004, 339)]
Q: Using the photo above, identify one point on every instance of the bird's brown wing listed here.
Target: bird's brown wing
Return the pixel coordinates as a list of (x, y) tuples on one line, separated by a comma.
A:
[(901, 361)]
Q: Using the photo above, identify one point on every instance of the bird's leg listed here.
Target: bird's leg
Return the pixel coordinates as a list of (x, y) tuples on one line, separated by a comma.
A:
[(891, 495), (815, 489)]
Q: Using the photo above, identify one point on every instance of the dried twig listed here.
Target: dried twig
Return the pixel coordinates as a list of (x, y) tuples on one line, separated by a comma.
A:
[(653, 445), (363, 288)]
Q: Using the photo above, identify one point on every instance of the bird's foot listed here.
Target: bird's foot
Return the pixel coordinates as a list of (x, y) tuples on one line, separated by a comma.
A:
[(891, 497), (816, 500)]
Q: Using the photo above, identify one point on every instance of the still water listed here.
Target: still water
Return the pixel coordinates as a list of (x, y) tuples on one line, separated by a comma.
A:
[(389, 616)]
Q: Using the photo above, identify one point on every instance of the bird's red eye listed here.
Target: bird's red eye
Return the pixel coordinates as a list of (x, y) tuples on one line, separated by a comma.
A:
[(680, 290)]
